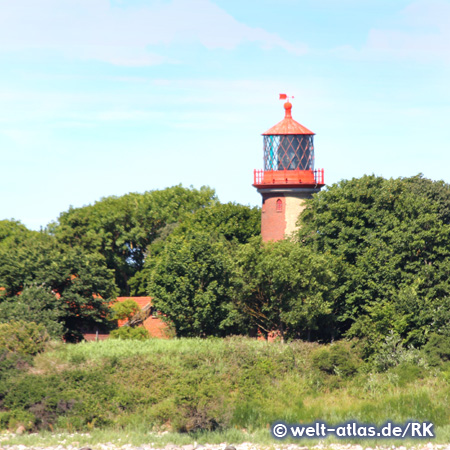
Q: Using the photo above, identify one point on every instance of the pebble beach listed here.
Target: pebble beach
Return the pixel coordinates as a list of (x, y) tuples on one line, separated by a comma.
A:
[(224, 446)]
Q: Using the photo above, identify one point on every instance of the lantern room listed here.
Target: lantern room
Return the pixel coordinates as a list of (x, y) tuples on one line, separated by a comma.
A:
[(288, 155)]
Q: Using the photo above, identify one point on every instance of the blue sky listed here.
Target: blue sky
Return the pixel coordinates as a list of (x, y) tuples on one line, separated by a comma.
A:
[(102, 97)]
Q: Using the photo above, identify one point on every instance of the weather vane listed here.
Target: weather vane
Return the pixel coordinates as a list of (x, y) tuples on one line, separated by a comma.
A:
[(285, 97)]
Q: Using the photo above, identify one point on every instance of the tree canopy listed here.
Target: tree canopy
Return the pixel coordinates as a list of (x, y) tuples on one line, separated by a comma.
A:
[(393, 240), (371, 259), (190, 282), (121, 228), (44, 279), (284, 287)]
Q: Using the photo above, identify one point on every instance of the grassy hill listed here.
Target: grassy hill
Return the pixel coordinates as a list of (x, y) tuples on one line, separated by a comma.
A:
[(189, 385)]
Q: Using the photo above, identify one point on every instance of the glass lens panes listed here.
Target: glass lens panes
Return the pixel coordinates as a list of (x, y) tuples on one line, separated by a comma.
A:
[(288, 152)]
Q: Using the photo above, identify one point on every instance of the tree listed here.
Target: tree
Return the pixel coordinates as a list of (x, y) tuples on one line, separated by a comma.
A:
[(79, 282), (190, 282), (437, 192), (121, 228), (13, 232), (394, 248), (284, 287), (36, 304), (230, 222)]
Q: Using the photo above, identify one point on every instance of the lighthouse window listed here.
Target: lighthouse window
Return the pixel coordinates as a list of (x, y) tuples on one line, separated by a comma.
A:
[(294, 152), (288, 152), (279, 205)]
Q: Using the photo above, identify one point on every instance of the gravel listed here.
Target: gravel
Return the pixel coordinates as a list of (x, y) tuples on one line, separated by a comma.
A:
[(243, 446)]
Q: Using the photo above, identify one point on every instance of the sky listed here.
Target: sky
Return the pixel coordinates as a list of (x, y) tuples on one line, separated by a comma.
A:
[(106, 97)]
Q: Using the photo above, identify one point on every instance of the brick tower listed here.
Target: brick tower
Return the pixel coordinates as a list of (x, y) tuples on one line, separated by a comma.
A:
[(288, 177)]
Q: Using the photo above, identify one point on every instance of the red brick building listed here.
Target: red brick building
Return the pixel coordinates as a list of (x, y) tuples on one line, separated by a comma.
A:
[(149, 318)]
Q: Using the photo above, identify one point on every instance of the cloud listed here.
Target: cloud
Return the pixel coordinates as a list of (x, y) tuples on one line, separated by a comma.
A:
[(419, 33), (423, 33), (93, 29)]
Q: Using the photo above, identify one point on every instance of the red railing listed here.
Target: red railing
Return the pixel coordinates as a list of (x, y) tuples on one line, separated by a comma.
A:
[(304, 177)]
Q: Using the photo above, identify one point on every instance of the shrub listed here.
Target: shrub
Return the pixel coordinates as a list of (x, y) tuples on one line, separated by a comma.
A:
[(139, 333), (437, 349), (25, 338), (392, 353), (125, 310), (408, 372), (189, 385), (337, 359), (12, 419)]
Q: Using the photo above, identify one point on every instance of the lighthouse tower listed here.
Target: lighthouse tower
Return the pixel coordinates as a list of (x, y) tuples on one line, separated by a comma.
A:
[(288, 178)]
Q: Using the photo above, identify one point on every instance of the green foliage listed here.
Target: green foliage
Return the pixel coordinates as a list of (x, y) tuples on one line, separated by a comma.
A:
[(232, 221), (13, 419), (337, 359), (190, 282), (40, 266), (121, 228), (13, 232), (408, 372), (125, 310), (206, 384), (392, 353), (392, 239), (36, 304), (137, 333), (437, 349), (25, 338), (436, 192), (223, 222), (19, 341), (285, 287)]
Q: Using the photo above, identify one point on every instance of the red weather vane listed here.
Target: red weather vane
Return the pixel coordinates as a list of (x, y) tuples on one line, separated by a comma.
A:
[(285, 97)]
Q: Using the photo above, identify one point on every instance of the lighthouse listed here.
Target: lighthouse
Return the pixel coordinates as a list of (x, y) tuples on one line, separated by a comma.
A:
[(288, 177)]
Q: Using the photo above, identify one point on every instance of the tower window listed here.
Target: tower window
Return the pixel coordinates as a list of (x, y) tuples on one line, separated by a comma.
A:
[(279, 205)]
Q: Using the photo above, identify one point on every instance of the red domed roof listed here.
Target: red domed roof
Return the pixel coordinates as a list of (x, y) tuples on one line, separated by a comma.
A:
[(288, 125)]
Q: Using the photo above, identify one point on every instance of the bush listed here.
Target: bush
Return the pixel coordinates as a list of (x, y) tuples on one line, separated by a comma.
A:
[(25, 338), (13, 419), (139, 333), (125, 310), (408, 372), (392, 353), (337, 359), (437, 349), (190, 385)]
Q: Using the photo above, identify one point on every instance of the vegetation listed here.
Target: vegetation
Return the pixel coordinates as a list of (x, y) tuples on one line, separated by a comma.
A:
[(127, 332), (121, 228), (359, 302), (125, 310), (216, 384), (284, 288), (392, 238), (371, 258), (190, 280), (51, 283)]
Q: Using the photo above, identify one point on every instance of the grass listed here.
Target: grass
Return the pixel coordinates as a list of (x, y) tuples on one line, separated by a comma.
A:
[(209, 391)]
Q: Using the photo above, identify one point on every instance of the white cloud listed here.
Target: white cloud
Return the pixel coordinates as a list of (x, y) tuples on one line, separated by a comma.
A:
[(423, 33), (419, 33), (95, 29)]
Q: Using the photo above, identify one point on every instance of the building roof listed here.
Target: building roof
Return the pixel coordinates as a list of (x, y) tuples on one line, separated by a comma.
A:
[(288, 125)]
